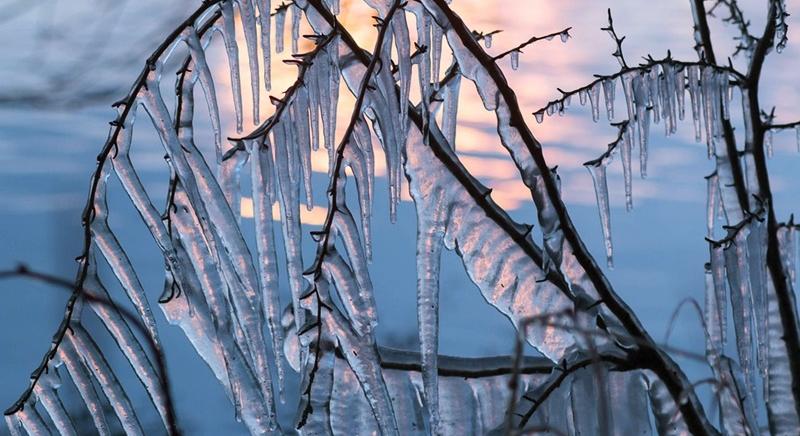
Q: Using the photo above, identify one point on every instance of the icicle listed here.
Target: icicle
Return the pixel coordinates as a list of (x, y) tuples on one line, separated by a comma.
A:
[(403, 46), (322, 77), (347, 229), (290, 218), (363, 167), (299, 122), (436, 53), (668, 418), (712, 200), (788, 243), (594, 99), (280, 21), (261, 167), (364, 361), (710, 102), (626, 144), (609, 86), (598, 172), (724, 87), (82, 380), (780, 401), (32, 421), (756, 257), (718, 267), (47, 395), (246, 395), (207, 82), (231, 48), (627, 90), (642, 118), (540, 117), (126, 340), (248, 16), (449, 118), (564, 36), (296, 15), (423, 20), (694, 94), (736, 407), (680, 92), (514, 60), (737, 266), (333, 90), (118, 259), (14, 425), (105, 377), (711, 319), (797, 136), (264, 10), (432, 218), (768, 142)]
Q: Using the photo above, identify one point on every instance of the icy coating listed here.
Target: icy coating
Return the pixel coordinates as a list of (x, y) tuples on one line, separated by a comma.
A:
[(598, 373)]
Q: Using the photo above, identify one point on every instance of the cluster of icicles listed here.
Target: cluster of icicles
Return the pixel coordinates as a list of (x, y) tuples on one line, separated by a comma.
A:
[(652, 94), (222, 295)]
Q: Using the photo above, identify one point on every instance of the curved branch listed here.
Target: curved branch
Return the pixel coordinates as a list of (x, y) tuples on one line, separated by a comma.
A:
[(102, 158)]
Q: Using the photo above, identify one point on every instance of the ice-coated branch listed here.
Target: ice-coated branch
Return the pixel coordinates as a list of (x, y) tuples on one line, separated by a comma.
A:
[(561, 103), (89, 211), (323, 237), (755, 132), (652, 357), (304, 64)]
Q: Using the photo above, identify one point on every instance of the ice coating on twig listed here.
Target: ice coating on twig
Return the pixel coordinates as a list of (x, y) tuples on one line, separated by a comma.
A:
[(248, 17), (262, 184)]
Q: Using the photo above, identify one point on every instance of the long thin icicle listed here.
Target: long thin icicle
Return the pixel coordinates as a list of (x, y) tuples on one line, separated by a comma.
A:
[(231, 48), (598, 173), (262, 179)]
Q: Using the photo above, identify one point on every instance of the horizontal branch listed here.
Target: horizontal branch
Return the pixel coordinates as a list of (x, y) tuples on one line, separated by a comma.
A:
[(560, 103), (564, 34)]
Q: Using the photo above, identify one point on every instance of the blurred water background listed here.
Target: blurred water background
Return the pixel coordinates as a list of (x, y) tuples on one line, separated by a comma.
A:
[(63, 63)]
